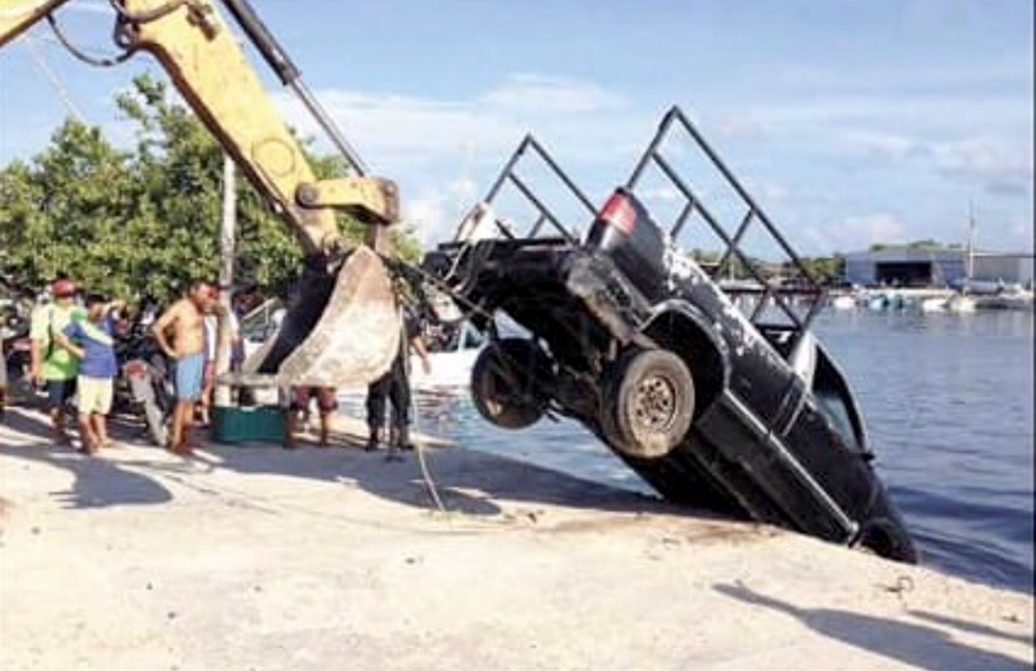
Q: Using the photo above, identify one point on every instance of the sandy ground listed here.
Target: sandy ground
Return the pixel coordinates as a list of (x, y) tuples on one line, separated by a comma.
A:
[(259, 558)]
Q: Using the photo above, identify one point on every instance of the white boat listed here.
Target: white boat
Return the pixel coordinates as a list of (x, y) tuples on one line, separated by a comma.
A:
[(960, 304), (844, 302), (1014, 300), (877, 302), (937, 304)]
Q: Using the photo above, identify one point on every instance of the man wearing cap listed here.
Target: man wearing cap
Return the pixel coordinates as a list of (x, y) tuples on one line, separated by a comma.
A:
[(52, 366)]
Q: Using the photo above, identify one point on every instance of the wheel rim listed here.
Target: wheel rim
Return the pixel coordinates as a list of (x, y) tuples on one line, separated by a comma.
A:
[(654, 405)]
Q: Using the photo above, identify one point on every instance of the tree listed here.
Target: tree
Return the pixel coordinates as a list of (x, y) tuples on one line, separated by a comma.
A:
[(66, 210), (824, 269), (143, 222)]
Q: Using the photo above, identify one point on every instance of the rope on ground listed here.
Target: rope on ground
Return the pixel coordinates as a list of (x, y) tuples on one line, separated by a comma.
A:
[(429, 483), (415, 270), (426, 475)]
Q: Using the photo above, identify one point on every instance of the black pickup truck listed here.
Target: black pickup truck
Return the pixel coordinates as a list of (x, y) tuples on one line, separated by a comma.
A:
[(634, 339)]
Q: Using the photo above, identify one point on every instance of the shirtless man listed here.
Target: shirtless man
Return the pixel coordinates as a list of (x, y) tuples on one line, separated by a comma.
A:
[(185, 319)]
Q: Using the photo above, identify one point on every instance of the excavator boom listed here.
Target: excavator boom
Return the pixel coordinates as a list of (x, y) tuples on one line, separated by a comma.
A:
[(17, 16), (352, 293)]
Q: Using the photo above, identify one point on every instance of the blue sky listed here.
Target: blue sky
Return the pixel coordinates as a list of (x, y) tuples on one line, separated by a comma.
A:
[(851, 122)]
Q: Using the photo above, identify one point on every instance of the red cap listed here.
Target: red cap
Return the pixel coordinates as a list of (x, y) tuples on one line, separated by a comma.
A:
[(64, 289)]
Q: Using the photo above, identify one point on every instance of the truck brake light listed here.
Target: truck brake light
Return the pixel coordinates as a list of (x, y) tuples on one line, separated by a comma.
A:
[(619, 212)]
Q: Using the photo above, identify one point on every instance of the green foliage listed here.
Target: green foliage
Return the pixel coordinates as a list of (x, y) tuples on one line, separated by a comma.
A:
[(928, 244), (142, 222), (825, 269)]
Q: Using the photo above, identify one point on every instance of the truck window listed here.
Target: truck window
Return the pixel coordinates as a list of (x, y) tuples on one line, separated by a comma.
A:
[(833, 397)]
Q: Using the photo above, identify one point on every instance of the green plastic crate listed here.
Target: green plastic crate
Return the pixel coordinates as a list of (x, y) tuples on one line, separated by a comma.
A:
[(261, 424)]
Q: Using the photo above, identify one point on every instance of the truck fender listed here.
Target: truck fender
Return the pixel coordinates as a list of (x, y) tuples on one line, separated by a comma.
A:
[(694, 319)]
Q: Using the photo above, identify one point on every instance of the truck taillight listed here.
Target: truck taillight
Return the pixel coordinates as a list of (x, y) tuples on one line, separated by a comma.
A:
[(619, 212)]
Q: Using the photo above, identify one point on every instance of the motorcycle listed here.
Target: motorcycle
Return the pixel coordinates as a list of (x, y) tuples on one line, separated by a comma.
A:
[(15, 352), (144, 385)]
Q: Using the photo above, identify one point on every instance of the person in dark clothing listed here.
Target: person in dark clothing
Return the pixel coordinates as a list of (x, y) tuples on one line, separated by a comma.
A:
[(394, 387)]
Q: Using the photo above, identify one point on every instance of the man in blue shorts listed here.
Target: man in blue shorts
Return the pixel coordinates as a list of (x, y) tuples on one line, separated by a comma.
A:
[(185, 321)]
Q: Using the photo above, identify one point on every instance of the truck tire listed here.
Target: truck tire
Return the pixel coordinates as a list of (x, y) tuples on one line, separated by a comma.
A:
[(648, 403), (506, 383)]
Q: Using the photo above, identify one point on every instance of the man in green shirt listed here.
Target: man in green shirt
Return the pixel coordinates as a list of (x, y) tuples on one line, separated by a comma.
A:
[(52, 365)]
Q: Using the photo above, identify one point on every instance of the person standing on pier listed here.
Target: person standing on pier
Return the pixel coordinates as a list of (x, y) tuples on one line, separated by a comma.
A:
[(394, 387), (185, 320), (92, 342), (52, 366)]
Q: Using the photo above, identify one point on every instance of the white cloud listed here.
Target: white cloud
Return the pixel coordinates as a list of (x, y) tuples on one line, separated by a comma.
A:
[(426, 214), (883, 144), (933, 113), (995, 164), (426, 144), (400, 129), (554, 95), (877, 227), (859, 232), (431, 146), (997, 167), (434, 212), (396, 128)]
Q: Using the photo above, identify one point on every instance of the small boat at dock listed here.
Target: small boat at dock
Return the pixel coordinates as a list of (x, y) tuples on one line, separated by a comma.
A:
[(844, 302), (960, 304)]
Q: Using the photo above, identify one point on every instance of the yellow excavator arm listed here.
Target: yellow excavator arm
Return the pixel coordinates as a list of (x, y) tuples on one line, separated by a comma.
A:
[(348, 334), (193, 44)]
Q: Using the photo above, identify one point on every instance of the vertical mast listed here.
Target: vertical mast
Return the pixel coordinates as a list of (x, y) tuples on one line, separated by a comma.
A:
[(971, 240)]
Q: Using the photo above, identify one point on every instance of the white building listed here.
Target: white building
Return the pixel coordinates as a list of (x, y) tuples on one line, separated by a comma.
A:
[(912, 266)]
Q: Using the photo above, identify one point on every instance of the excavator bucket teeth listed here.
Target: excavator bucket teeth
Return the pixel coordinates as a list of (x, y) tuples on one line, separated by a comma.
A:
[(342, 330)]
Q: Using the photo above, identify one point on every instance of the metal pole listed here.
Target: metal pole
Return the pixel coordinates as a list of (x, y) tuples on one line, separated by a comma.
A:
[(971, 242), (291, 76), (335, 135), (227, 229), (508, 168)]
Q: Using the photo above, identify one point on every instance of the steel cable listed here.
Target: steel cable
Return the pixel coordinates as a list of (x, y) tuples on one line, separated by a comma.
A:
[(82, 55)]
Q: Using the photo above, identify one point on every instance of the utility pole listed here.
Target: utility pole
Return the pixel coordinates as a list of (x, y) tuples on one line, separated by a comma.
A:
[(227, 230)]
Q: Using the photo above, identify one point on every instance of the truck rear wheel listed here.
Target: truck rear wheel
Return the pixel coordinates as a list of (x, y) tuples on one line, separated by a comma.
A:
[(506, 383), (648, 403)]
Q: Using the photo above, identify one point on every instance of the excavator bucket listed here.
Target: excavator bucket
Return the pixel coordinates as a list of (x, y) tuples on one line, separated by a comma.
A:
[(343, 330)]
